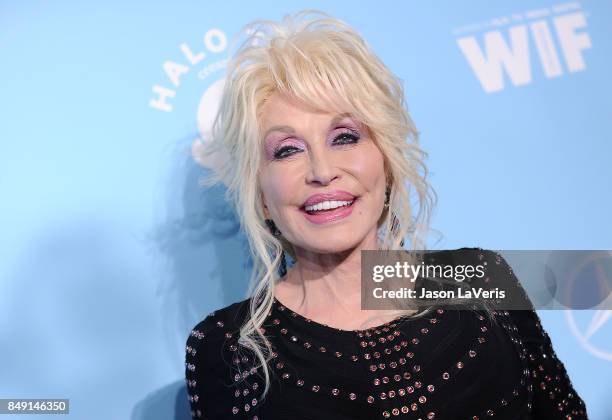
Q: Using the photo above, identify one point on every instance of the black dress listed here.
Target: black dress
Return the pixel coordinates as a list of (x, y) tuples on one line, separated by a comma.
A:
[(439, 364)]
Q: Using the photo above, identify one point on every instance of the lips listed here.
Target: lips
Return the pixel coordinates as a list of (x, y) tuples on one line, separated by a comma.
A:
[(336, 195), (324, 217)]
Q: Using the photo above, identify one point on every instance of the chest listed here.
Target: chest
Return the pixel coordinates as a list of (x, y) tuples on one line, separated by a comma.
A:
[(452, 364)]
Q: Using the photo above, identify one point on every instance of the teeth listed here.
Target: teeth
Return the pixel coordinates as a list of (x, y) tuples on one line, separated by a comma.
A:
[(326, 205)]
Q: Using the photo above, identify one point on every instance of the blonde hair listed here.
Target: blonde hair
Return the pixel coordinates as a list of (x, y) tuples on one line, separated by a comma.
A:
[(309, 59)]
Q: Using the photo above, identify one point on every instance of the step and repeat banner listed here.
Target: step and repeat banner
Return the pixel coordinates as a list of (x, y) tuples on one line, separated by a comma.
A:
[(110, 251)]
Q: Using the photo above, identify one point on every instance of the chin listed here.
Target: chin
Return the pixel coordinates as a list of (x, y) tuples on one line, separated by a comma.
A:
[(325, 245)]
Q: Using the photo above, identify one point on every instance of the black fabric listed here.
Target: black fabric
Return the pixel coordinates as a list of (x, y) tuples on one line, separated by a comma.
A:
[(440, 364)]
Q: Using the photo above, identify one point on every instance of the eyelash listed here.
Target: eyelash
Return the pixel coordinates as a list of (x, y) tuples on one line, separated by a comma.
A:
[(346, 134)]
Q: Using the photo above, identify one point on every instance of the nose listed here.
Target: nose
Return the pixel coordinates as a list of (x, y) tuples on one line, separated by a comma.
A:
[(322, 169)]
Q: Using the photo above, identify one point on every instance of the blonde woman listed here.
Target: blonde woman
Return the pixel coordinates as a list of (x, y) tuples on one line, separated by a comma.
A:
[(323, 163)]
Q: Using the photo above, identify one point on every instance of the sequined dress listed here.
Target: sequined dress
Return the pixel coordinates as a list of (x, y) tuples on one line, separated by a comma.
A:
[(439, 364)]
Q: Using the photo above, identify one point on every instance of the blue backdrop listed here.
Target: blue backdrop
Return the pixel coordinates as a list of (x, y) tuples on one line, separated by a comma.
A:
[(110, 252)]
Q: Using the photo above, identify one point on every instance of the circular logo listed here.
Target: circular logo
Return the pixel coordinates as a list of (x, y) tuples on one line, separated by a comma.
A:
[(598, 325), (206, 112)]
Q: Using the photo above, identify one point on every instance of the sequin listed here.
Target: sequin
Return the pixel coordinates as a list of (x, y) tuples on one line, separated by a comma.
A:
[(387, 348)]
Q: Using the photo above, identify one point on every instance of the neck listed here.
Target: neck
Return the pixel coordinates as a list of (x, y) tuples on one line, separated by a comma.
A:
[(326, 287)]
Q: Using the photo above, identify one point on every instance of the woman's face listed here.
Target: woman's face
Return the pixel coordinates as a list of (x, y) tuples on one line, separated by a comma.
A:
[(310, 158)]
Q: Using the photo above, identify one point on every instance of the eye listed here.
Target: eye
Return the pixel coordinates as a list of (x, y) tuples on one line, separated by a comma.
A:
[(284, 151), (347, 137)]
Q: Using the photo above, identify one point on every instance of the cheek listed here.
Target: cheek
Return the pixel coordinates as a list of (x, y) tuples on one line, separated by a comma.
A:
[(279, 187), (369, 165)]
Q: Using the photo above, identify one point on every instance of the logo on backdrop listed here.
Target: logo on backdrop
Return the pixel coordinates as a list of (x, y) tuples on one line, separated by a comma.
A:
[(205, 59), (501, 49), (600, 321)]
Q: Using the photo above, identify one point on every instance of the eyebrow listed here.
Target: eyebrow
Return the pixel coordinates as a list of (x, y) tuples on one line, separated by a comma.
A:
[(290, 130)]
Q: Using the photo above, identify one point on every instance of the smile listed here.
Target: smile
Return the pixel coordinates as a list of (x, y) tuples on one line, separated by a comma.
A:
[(327, 205), (328, 211)]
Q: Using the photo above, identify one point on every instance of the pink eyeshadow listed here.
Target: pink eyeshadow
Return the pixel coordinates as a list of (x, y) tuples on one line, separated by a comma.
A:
[(276, 141)]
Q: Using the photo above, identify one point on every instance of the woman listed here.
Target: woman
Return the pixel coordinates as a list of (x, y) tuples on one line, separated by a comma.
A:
[(323, 161)]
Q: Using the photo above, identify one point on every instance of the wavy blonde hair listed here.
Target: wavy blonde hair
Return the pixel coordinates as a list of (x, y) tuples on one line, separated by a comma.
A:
[(323, 62)]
